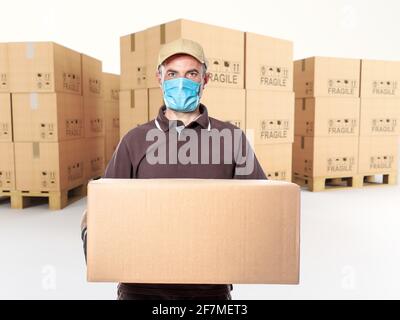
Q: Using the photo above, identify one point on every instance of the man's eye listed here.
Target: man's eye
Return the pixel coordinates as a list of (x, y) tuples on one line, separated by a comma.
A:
[(194, 74), (171, 74)]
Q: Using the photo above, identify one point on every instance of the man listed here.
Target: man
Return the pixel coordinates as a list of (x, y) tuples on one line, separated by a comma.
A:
[(182, 74)]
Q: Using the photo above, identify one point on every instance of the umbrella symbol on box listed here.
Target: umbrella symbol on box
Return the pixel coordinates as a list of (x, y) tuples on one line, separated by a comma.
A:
[(216, 65)]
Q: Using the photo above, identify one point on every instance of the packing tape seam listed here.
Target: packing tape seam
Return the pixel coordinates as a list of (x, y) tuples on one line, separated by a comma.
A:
[(33, 98), (30, 51), (162, 34), (36, 150), (133, 42)]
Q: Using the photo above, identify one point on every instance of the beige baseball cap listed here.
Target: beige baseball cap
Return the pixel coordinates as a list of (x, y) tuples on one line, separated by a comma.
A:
[(182, 46)]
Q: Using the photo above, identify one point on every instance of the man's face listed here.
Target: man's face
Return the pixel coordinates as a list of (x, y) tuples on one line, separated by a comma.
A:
[(182, 66)]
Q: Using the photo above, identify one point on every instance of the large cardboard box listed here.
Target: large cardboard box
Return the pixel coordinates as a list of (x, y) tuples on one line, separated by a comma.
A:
[(95, 157), (49, 166), (378, 155), (224, 104), (110, 87), (44, 67), (92, 77), (276, 160), (327, 77), (47, 117), (327, 117), (133, 61), (269, 63), (133, 109), (6, 133), (329, 157), (224, 50), (270, 116), (380, 117), (94, 115), (380, 79), (246, 232), (7, 171), (4, 74)]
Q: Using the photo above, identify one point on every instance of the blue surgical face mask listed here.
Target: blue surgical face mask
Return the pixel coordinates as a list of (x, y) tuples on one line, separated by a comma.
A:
[(181, 95)]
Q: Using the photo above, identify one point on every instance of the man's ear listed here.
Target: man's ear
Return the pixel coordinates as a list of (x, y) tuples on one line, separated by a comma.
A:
[(206, 78)]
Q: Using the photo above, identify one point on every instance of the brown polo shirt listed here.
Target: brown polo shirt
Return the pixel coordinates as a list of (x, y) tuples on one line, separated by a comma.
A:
[(130, 161)]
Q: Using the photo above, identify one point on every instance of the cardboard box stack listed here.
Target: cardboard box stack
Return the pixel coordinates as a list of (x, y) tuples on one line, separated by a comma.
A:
[(380, 119), (327, 124), (248, 71), (270, 103), (45, 85), (111, 113), (52, 121)]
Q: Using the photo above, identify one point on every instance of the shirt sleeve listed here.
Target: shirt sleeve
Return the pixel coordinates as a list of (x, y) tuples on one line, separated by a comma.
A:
[(120, 165), (247, 164)]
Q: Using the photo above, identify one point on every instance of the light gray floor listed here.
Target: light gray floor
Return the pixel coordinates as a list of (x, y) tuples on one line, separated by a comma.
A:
[(350, 249)]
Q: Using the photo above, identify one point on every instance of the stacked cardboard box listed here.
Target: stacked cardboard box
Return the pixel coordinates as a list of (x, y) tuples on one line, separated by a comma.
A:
[(45, 82), (94, 115), (327, 124), (247, 71), (141, 96), (52, 121), (270, 103), (380, 119), (111, 113)]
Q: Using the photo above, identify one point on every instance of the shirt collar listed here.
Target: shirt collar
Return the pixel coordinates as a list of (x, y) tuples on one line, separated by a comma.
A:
[(164, 124)]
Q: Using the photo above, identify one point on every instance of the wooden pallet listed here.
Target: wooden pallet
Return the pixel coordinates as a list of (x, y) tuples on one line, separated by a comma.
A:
[(373, 180), (57, 199), (5, 194), (317, 184)]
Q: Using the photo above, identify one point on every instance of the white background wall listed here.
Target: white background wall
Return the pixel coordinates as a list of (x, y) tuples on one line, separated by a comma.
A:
[(352, 28)]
